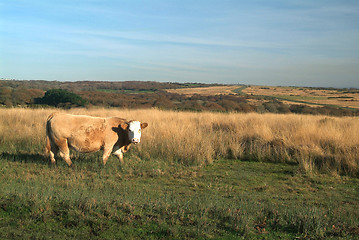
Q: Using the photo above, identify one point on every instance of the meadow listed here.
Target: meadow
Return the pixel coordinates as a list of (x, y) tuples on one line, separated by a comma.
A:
[(205, 91), (345, 98), (194, 175)]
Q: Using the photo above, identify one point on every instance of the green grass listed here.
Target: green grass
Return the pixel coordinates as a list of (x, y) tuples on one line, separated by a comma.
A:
[(300, 98), (156, 199), (127, 91), (137, 91), (239, 90)]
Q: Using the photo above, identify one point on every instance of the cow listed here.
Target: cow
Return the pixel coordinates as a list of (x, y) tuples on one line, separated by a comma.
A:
[(90, 134)]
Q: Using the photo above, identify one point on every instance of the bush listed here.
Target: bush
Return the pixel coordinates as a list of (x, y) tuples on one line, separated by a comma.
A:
[(61, 98)]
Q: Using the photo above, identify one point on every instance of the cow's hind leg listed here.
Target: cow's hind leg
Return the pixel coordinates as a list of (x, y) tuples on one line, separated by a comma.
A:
[(64, 151), (51, 149)]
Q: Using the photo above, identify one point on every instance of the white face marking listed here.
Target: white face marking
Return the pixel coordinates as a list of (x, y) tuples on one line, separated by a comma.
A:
[(134, 131)]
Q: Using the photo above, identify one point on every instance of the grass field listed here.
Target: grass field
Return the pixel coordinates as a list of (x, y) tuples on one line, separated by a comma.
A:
[(205, 91), (194, 175), (309, 96), (126, 91), (312, 97)]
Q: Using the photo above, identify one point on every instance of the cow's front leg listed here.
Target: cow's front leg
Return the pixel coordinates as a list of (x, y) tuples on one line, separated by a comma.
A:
[(106, 155), (119, 154)]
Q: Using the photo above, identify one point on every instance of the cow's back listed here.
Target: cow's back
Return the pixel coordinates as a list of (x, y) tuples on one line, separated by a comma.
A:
[(83, 133)]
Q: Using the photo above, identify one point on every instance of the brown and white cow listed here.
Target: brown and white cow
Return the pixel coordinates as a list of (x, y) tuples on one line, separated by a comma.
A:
[(90, 134)]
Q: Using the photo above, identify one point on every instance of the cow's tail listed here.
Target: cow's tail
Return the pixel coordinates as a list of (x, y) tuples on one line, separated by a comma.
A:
[(48, 146), (48, 141), (51, 116)]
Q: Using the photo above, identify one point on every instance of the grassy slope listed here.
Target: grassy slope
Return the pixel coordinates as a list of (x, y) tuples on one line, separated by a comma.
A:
[(156, 199)]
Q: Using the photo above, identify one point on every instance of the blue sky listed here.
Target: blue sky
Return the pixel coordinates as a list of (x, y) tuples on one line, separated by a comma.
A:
[(280, 42)]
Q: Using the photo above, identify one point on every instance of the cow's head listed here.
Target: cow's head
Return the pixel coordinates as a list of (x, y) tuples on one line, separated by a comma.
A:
[(134, 130)]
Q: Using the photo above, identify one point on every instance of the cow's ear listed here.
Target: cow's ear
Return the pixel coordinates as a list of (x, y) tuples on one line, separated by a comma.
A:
[(115, 129), (124, 126), (144, 125)]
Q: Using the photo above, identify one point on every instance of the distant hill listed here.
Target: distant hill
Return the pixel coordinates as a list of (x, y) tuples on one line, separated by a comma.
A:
[(187, 96)]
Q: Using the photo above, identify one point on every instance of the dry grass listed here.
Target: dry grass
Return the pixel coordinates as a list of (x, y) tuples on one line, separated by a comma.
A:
[(205, 91), (314, 96), (322, 143)]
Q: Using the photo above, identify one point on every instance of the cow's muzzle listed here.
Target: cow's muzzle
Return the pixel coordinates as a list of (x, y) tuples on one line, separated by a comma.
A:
[(135, 140)]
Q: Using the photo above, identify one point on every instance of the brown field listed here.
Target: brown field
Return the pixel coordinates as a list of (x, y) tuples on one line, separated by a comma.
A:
[(327, 144), (257, 102), (205, 91), (308, 95), (311, 97)]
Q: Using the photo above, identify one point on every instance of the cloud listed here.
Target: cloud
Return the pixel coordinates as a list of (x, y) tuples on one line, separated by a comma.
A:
[(172, 39)]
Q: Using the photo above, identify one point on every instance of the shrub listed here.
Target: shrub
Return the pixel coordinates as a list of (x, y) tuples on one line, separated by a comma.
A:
[(61, 98)]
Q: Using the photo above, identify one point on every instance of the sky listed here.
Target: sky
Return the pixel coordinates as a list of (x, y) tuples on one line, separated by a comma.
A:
[(255, 42)]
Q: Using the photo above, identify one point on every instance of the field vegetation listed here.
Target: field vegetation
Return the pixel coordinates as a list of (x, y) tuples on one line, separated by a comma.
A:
[(347, 98), (186, 97), (315, 143), (205, 91), (194, 175)]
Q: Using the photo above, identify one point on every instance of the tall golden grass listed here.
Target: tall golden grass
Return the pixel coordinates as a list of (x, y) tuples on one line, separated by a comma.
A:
[(315, 143)]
